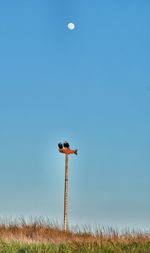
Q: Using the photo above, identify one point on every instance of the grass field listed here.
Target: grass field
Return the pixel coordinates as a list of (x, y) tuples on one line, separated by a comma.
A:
[(45, 237), (14, 247)]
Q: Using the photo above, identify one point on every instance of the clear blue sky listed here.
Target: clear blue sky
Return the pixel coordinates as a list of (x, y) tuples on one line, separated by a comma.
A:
[(90, 86)]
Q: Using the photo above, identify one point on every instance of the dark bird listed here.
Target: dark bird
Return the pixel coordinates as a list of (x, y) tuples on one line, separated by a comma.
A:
[(66, 144), (60, 145)]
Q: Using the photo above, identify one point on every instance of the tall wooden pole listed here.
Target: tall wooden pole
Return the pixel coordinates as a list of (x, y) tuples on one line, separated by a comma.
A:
[(66, 195)]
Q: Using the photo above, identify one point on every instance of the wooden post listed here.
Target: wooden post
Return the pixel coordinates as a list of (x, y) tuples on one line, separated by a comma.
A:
[(66, 195)]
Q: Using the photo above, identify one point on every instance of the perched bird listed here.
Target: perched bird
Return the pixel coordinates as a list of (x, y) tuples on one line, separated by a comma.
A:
[(66, 144), (60, 145)]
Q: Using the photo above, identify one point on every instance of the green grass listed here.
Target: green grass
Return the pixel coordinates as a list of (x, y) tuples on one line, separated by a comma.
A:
[(45, 237), (107, 247)]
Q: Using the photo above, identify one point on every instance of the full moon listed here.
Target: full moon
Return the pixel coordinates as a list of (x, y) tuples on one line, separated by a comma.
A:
[(71, 26)]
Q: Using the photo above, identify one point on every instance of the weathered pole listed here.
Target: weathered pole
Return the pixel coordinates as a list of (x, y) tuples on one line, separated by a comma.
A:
[(66, 195), (65, 149)]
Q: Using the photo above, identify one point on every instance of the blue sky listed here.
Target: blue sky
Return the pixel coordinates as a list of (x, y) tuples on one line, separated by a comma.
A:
[(90, 86)]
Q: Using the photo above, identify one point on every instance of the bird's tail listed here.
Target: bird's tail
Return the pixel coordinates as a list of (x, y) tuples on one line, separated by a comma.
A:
[(76, 152)]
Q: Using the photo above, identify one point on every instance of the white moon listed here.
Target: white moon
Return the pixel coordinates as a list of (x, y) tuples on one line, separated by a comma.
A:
[(71, 26)]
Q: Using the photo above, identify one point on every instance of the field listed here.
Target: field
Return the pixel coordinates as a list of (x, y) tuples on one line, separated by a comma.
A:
[(45, 237)]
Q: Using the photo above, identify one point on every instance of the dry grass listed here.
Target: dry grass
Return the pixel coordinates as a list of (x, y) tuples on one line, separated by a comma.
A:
[(40, 231)]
